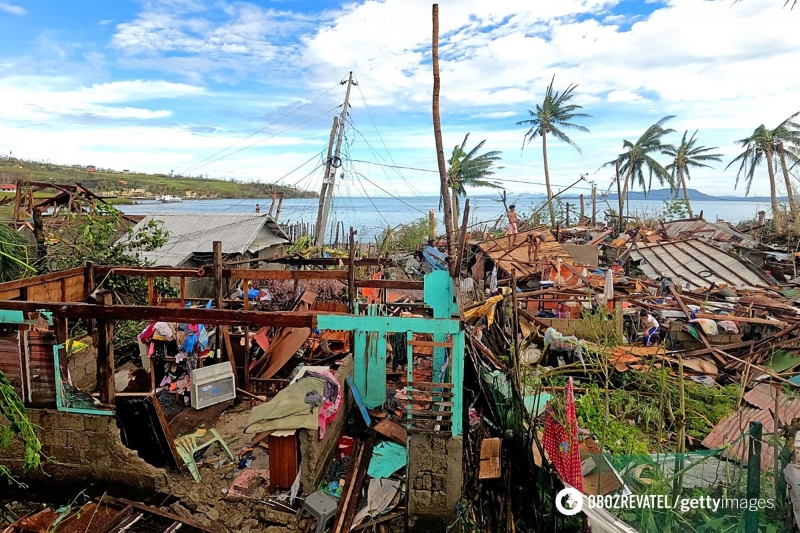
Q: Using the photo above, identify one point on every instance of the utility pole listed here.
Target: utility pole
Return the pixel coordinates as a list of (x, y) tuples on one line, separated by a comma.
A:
[(326, 196), (594, 205)]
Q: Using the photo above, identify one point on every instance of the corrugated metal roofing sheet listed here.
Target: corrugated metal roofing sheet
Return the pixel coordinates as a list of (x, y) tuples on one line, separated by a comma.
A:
[(510, 256), (696, 264), (762, 397), (718, 231), (190, 233)]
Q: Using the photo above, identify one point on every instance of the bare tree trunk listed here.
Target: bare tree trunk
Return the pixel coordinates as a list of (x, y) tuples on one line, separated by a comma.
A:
[(776, 214), (437, 132), (547, 180), (789, 191), (456, 209), (620, 197), (685, 192), (623, 196)]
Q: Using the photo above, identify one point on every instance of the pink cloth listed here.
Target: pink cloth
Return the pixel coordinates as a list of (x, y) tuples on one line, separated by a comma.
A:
[(329, 409), (512, 228)]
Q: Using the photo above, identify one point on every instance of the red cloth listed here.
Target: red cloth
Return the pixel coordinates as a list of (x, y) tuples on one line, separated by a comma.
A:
[(561, 443)]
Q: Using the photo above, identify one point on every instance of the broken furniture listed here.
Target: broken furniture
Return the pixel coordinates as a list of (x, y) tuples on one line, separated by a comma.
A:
[(322, 507), (188, 447), (284, 458)]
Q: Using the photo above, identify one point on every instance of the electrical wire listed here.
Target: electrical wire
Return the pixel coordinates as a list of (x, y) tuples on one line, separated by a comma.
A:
[(193, 167)]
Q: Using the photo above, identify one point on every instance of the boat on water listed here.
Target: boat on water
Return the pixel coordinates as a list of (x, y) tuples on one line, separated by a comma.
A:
[(169, 199)]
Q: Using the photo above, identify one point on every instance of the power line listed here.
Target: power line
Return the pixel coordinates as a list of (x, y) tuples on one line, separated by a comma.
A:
[(266, 138), (192, 167), (393, 166)]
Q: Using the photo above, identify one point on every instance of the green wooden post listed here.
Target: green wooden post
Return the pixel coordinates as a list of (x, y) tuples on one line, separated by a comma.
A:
[(359, 358), (409, 375), (438, 295), (457, 378)]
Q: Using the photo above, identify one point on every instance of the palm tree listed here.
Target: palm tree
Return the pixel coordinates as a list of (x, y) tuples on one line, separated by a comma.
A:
[(551, 117), (763, 144), (636, 157), (468, 169), (685, 156)]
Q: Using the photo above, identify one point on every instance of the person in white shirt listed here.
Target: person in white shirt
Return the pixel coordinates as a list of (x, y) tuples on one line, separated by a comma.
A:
[(650, 328)]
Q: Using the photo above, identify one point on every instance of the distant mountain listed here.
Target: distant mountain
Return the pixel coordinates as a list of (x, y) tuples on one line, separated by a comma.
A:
[(695, 195)]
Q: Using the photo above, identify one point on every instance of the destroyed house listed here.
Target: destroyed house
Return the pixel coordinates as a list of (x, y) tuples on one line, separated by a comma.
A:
[(140, 429)]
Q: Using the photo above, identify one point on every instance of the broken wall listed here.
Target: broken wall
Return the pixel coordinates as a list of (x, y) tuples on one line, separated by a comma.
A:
[(82, 366), (435, 480), (314, 453), (80, 450)]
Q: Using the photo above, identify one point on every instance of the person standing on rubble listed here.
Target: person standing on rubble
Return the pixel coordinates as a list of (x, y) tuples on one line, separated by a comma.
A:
[(650, 328), (512, 224), (258, 208)]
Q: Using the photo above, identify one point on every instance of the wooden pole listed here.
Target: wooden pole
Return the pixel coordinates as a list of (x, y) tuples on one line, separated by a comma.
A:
[(462, 243), (432, 224), (217, 268), (594, 205), (437, 133), (515, 326), (351, 272), (271, 205), (324, 191), (566, 225), (105, 353), (278, 211), (582, 210)]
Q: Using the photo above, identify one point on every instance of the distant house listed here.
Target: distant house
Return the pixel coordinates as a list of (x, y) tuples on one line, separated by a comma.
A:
[(191, 236), (91, 168), (8, 187), (126, 171)]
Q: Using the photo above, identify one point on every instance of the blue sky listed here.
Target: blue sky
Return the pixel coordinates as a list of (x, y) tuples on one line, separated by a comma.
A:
[(164, 85)]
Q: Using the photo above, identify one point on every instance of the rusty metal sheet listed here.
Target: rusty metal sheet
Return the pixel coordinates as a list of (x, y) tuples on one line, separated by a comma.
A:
[(514, 256), (718, 231)]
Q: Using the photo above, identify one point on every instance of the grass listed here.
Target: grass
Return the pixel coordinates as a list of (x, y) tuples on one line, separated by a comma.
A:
[(12, 169)]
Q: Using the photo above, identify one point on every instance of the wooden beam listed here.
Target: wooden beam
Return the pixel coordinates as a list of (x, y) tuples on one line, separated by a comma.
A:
[(168, 314), (314, 261), (397, 284), (217, 270), (240, 273), (166, 272), (105, 353), (351, 272)]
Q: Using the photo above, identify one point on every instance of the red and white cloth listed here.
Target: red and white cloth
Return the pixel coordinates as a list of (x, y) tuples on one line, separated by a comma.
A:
[(561, 442)]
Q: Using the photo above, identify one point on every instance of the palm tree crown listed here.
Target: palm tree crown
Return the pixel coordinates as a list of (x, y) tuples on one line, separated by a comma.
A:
[(552, 117), (636, 157), (763, 143), (686, 156), (469, 169)]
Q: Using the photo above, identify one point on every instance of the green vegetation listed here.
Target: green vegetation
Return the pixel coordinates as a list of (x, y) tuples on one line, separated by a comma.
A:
[(19, 427), (405, 237), (552, 117), (14, 260), (106, 180)]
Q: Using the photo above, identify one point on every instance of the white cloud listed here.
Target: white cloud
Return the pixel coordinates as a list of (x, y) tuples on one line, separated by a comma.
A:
[(627, 97), (12, 9), (105, 22), (494, 114), (40, 99)]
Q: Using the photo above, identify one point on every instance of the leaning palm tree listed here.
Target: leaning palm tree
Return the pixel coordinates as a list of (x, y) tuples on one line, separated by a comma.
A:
[(552, 117), (685, 156), (468, 169), (764, 144), (636, 157)]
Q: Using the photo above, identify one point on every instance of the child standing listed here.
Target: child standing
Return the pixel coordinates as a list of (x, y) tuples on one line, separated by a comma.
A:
[(650, 328)]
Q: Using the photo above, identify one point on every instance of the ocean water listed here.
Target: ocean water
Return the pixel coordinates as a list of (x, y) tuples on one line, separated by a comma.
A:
[(370, 216)]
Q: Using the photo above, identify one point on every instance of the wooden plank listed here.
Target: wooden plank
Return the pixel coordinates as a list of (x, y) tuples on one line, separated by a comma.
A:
[(743, 319), (392, 431), (490, 459), (428, 384), (239, 273), (168, 516), (167, 314), (432, 344), (351, 273), (425, 413), (396, 284), (45, 278)]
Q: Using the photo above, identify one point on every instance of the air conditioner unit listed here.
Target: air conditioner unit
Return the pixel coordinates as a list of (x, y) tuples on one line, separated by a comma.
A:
[(212, 385)]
